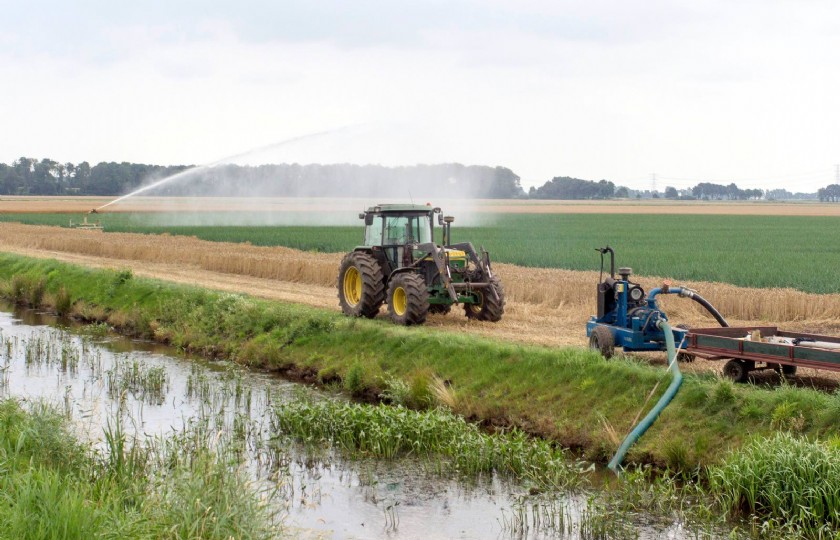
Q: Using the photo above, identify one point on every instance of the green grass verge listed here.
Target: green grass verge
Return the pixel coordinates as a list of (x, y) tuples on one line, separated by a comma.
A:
[(54, 486), (569, 395), (729, 249)]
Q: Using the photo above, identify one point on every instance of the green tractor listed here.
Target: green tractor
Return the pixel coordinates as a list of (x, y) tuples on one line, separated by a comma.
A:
[(401, 265)]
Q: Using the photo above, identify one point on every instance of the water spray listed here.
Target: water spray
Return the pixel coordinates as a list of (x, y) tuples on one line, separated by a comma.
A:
[(233, 157)]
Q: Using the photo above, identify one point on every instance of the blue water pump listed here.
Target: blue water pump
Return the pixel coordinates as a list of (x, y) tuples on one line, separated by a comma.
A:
[(628, 319)]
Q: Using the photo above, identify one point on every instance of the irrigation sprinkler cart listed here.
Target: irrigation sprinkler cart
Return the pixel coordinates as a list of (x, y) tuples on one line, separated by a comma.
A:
[(776, 349)]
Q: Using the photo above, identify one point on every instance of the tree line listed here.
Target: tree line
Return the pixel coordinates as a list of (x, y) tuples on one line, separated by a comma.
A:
[(28, 176), (563, 187)]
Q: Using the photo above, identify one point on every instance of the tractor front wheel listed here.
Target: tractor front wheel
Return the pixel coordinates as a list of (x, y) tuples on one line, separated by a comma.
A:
[(488, 307), (361, 290), (408, 299), (602, 340)]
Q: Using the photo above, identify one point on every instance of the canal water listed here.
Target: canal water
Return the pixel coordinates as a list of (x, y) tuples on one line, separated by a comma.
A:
[(96, 377)]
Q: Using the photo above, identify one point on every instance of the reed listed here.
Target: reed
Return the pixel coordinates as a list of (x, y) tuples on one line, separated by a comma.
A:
[(394, 431), (54, 486), (786, 478)]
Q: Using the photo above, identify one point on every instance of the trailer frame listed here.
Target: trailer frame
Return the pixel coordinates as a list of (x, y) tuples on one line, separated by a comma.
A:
[(732, 344)]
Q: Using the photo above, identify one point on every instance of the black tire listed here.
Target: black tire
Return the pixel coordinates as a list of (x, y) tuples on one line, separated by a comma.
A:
[(685, 357), (602, 340), (440, 309), (408, 299), (361, 287), (489, 307), (788, 370), (736, 370)]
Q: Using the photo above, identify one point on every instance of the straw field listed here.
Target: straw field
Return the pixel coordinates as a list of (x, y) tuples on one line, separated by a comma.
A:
[(545, 305), (750, 251)]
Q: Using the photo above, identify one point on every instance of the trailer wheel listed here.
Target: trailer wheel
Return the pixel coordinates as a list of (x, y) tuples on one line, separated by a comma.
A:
[(684, 356), (602, 340), (788, 370), (736, 370)]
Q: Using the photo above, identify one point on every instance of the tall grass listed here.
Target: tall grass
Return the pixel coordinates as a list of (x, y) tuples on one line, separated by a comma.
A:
[(435, 435), (787, 479), (53, 486)]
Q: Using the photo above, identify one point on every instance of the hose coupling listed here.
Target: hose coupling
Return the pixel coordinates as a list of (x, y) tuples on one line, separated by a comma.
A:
[(685, 292)]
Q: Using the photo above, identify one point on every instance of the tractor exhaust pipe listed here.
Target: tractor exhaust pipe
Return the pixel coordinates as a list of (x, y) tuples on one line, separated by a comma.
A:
[(447, 230)]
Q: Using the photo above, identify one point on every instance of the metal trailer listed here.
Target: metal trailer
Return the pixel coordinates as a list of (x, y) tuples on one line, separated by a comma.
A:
[(753, 348)]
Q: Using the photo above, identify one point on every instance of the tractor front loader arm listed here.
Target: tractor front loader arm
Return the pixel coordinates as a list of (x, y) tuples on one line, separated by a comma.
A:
[(438, 257)]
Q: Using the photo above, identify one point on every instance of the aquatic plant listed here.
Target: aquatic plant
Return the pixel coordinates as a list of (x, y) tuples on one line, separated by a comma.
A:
[(437, 435)]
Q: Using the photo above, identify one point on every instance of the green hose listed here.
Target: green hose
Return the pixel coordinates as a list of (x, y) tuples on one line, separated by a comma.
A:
[(663, 402)]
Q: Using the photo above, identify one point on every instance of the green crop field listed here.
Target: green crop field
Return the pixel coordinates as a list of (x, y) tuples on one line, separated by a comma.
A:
[(755, 251)]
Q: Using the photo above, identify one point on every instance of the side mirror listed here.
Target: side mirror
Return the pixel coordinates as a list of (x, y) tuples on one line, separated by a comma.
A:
[(440, 219), (362, 215), (368, 219)]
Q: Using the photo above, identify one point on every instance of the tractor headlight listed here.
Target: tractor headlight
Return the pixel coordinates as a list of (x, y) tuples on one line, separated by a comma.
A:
[(636, 294)]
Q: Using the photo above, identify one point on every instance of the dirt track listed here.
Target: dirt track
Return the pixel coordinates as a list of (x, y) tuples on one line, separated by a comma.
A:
[(545, 306)]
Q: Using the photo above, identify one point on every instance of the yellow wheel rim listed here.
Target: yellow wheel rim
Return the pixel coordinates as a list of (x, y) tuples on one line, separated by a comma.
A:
[(399, 302), (478, 306), (352, 286)]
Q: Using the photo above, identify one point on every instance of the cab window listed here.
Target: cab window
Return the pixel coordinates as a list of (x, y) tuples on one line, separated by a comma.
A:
[(400, 230)]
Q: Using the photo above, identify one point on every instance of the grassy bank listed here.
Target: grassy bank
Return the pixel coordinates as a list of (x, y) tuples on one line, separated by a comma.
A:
[(570, 395), (54, 486)]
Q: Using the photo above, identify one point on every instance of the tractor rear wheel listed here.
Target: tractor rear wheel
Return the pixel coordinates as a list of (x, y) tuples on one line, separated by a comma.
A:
[(488, 307), (408, 299), (602, 340), (361, 290)]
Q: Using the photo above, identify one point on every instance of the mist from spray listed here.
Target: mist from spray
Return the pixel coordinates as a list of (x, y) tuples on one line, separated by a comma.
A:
[(344, 171), (228, 159)]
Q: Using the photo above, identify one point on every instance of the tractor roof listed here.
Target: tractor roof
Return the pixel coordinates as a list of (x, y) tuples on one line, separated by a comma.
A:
[(386, 208)]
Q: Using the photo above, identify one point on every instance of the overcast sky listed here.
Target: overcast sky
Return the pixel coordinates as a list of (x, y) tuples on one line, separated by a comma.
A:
[(721, 91)]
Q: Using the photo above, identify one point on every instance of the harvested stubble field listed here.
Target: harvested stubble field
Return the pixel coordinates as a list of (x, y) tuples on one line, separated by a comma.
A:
[(750, 251), (545, 306)]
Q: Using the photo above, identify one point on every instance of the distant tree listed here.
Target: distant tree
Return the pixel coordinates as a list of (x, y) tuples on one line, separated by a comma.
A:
[(566, 188), (622, 193), (671, 193), (830, 193)]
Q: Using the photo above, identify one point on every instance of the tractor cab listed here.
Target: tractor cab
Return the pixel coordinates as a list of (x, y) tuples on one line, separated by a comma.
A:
[(394, 228)]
